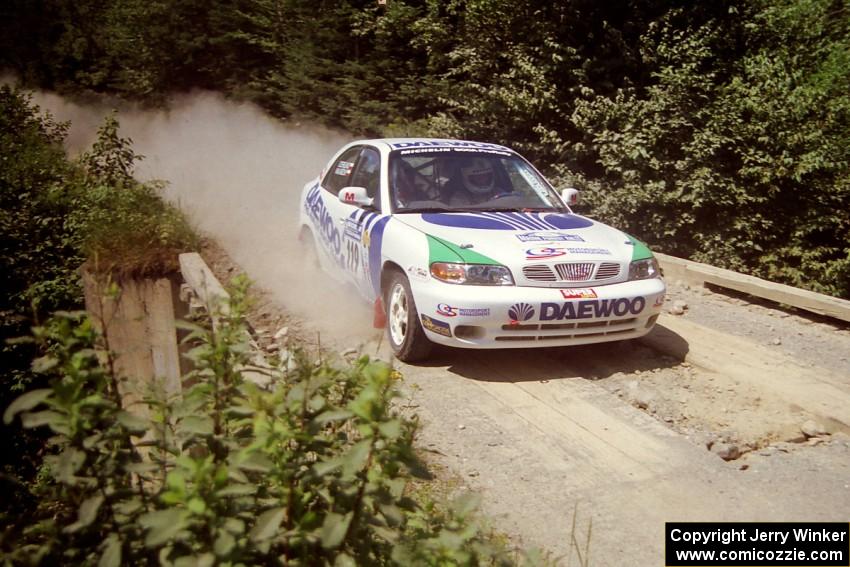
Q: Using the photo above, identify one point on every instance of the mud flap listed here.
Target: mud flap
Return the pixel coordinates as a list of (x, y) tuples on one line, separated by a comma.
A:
[(379, 320)]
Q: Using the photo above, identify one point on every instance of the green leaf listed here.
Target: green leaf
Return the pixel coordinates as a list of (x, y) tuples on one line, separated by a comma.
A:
[(132, 422), (324, 467), (128, 507), (31, 420), (86, 514), (392, 513), (69, 462), (334, 529), (224, 543), (25, 402), (44, 363), (355, 459), (333, 415), (197, 506), (256, 462), (162, 525), (390, 429), (111, 552), (378, 371), (465, 504), (203, 560), (267, 524), (196, 425), (237, 490), (344, 560)]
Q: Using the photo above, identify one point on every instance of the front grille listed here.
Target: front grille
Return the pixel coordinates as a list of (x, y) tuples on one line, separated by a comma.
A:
[(607, 270), (540, 273), (578, 272), (575, 272)]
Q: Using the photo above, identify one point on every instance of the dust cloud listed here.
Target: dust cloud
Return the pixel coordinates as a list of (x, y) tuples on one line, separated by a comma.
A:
[(238, 174)]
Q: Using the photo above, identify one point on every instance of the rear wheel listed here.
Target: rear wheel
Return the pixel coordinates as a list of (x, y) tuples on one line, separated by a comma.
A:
[(404, 330), (311, 254)]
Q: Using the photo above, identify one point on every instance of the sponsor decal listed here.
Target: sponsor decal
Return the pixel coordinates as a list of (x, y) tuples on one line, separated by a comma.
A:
[(543, 253), (578, 293), (436, 326), (323, 221), (344, 168), (446, 144), (348, 196), (353, 229), (544, 236), (417, 272), (509, 221), (588, 251), (447, 310), (520, 312), (420, 151), (591, 309)]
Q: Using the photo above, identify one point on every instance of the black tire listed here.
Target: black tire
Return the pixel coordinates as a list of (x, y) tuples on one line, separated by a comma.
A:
[(404, 331)]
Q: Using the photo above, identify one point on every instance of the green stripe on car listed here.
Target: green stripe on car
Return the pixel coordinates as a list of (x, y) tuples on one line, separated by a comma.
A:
[(440, 250), (640, 251)]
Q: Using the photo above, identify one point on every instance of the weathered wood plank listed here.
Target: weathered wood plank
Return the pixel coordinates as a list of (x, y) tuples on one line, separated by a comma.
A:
[(139, 330), (203, 282), (215, 298), (695, 273)]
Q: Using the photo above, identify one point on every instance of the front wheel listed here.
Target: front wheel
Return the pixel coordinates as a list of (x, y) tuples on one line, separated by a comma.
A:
[(405, 333)]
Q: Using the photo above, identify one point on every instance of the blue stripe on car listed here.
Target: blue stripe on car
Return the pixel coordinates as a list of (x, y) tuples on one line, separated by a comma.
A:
[(376, 239), (508, 221)]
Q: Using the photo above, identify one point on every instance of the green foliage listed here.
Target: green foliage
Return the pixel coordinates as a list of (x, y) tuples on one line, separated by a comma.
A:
[(54, 214), (743, 161), (313, 470), (716, 131)]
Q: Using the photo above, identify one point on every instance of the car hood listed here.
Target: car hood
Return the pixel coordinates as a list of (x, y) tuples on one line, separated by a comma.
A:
[(522, 240)]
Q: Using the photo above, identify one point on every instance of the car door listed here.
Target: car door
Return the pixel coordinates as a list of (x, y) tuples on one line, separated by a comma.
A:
[(356, 237), (356, 167)]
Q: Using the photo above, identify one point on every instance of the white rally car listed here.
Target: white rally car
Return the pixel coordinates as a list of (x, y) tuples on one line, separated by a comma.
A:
[(466, 244)]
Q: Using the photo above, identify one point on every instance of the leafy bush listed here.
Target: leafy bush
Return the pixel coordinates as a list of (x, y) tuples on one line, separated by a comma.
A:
[(738, 156), (312, 471), (54, 214)]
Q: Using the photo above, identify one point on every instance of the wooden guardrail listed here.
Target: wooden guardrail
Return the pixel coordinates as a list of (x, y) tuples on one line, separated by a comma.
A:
[(694, 273), (208, 291)]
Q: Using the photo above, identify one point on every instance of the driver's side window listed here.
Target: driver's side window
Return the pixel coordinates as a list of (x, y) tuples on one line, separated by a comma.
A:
[(339, 175), (368, 174)]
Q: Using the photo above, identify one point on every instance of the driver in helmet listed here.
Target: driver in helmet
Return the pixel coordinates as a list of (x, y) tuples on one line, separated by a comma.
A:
[(477, 182)]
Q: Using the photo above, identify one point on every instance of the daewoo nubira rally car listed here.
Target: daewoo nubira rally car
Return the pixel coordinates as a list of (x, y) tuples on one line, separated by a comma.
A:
[(466, 244)]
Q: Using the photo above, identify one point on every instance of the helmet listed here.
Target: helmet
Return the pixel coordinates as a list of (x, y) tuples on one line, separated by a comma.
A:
[(478, 176)]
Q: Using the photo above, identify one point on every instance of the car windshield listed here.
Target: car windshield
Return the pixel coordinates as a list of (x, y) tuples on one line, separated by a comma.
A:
[(454, 180)]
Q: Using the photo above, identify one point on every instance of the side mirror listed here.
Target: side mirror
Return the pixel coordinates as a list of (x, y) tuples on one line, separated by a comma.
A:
[(570, 196), (355, 196)]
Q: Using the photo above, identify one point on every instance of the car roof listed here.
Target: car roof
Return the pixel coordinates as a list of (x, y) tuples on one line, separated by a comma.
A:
[(391, 144)]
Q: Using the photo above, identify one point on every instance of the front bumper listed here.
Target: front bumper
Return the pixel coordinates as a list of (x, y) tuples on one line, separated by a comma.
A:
[(522, 317)]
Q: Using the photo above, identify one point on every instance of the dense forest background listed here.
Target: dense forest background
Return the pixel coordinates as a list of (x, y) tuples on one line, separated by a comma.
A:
[(718, 131)]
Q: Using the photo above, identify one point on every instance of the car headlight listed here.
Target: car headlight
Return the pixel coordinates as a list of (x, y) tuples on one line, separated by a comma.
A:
[(471, 274), (644, 269)]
